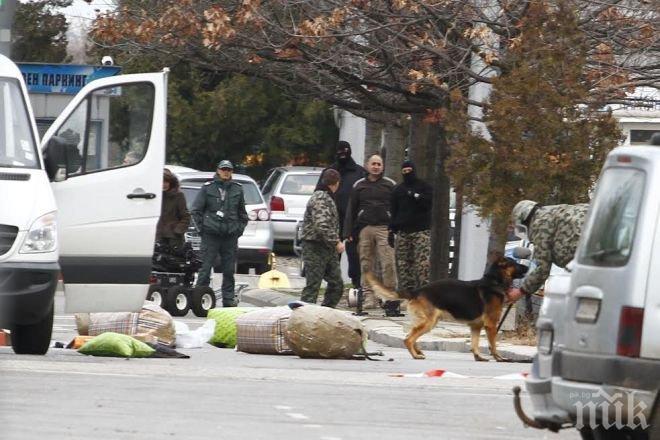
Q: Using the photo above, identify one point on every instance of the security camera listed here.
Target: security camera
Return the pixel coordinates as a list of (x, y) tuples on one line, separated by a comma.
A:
[(107, 61)]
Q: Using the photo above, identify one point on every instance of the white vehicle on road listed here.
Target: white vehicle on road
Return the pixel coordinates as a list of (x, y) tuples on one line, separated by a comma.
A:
[(87, 208), (287, 191), (256, 243), (598, 363)]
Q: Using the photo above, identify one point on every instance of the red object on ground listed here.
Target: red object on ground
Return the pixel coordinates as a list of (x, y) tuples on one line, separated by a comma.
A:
[(4, 338), (434, 373)]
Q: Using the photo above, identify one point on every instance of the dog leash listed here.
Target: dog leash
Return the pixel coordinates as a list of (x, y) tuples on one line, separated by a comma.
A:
[(368, 355)]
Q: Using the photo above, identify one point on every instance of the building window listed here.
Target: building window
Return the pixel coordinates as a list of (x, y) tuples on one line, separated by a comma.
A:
[(641, 137)]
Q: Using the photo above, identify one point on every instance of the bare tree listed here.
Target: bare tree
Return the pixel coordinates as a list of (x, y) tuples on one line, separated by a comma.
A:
[(383, 58)]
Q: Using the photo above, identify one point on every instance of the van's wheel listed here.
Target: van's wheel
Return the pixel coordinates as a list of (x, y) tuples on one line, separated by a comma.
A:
[(179, 301), (158, 295), (33, 338), (203, 300)]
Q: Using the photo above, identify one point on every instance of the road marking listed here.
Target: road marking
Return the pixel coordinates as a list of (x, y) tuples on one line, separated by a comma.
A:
[(330, 438), (297, 416), (283, 407), (312, 426)]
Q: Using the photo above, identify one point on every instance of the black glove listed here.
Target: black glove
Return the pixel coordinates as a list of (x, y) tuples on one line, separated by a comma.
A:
[(390, 238)]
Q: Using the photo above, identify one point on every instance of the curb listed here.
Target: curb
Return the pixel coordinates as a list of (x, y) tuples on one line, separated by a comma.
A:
[(393, 337), (392, 334), (267, 297)]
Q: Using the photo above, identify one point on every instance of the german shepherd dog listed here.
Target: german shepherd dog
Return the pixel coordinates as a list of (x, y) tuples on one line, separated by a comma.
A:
[(479, 303)]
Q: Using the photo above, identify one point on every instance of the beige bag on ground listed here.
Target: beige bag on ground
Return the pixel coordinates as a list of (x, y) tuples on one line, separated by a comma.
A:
[(151, 324), (321, 332)]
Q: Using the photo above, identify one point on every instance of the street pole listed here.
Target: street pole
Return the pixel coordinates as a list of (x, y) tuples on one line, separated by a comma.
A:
[(7, 10)]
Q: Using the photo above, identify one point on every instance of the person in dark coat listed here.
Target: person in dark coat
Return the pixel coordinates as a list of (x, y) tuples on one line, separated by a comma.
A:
[(349, 172), (411, 222), (219, 214), (174, 216)]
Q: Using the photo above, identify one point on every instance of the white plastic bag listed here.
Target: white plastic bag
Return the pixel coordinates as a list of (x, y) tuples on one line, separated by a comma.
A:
[(185, 338)]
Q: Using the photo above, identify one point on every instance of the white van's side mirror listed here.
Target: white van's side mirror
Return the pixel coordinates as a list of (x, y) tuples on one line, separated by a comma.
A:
[(60, 175), (61, 158)]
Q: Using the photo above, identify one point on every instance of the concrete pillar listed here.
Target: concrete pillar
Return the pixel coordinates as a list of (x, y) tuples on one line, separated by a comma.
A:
[(7, 10)]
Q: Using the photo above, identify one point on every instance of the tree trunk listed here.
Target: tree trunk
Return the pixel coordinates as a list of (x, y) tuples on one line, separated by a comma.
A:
[(394, 141), (421, 150), (373, 138), (497, 238), (440, 210)]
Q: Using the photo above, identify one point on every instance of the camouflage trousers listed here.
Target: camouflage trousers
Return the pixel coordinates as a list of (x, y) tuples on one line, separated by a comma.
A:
[(413, 259), (321, 263)]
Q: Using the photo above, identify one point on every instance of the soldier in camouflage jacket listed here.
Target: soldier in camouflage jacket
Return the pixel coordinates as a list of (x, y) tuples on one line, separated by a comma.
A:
[(321, 243), (554, 231)]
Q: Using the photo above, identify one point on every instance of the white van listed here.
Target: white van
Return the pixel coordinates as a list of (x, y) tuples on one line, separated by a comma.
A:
[(87, 208), (598, 367)]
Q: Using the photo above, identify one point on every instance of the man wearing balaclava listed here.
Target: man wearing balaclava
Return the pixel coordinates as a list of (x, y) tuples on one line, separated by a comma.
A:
[(350, 173), (411, 222)]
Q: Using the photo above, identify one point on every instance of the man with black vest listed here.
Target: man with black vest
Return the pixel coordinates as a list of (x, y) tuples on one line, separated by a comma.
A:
[(411, 222)]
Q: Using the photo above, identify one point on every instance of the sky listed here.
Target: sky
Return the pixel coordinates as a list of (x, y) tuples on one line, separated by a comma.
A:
[(80, 15), (83, 11)]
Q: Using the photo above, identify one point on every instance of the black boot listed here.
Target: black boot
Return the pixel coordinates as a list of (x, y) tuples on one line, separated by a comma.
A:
[(393, 308)]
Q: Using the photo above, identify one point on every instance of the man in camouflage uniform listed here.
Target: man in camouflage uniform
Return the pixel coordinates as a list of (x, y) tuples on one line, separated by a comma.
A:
[(321, 243), (411, 222), (554, 231)]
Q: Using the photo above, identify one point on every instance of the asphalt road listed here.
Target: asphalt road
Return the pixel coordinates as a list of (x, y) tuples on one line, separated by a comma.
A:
[(221, 393)]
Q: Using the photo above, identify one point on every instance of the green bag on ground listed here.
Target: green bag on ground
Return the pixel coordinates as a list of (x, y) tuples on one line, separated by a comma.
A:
[(116, 345), (225, 325)]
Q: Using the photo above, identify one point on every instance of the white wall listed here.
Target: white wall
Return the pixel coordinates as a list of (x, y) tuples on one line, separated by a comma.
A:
[(637, 120), (352, 129), (47, 105)]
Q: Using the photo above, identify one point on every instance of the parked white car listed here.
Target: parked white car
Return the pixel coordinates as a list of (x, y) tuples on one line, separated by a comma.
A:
[(82, 208), (256, 243), (287, 191), (598, 363)]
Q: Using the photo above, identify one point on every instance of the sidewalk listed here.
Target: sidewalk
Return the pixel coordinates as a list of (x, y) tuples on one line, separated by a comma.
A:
[(389, 331)]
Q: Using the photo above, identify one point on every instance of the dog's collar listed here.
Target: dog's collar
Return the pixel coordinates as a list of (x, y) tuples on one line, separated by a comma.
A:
[(493, 283)]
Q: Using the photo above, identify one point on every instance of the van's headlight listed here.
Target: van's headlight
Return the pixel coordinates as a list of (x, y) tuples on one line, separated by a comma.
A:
[(42, 236)]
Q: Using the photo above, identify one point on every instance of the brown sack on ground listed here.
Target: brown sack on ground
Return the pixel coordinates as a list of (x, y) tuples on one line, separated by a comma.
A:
[(321, 332)]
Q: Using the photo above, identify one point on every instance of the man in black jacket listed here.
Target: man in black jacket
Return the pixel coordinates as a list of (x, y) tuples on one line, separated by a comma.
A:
[(350, 173), (411, 222), (368, 217)]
